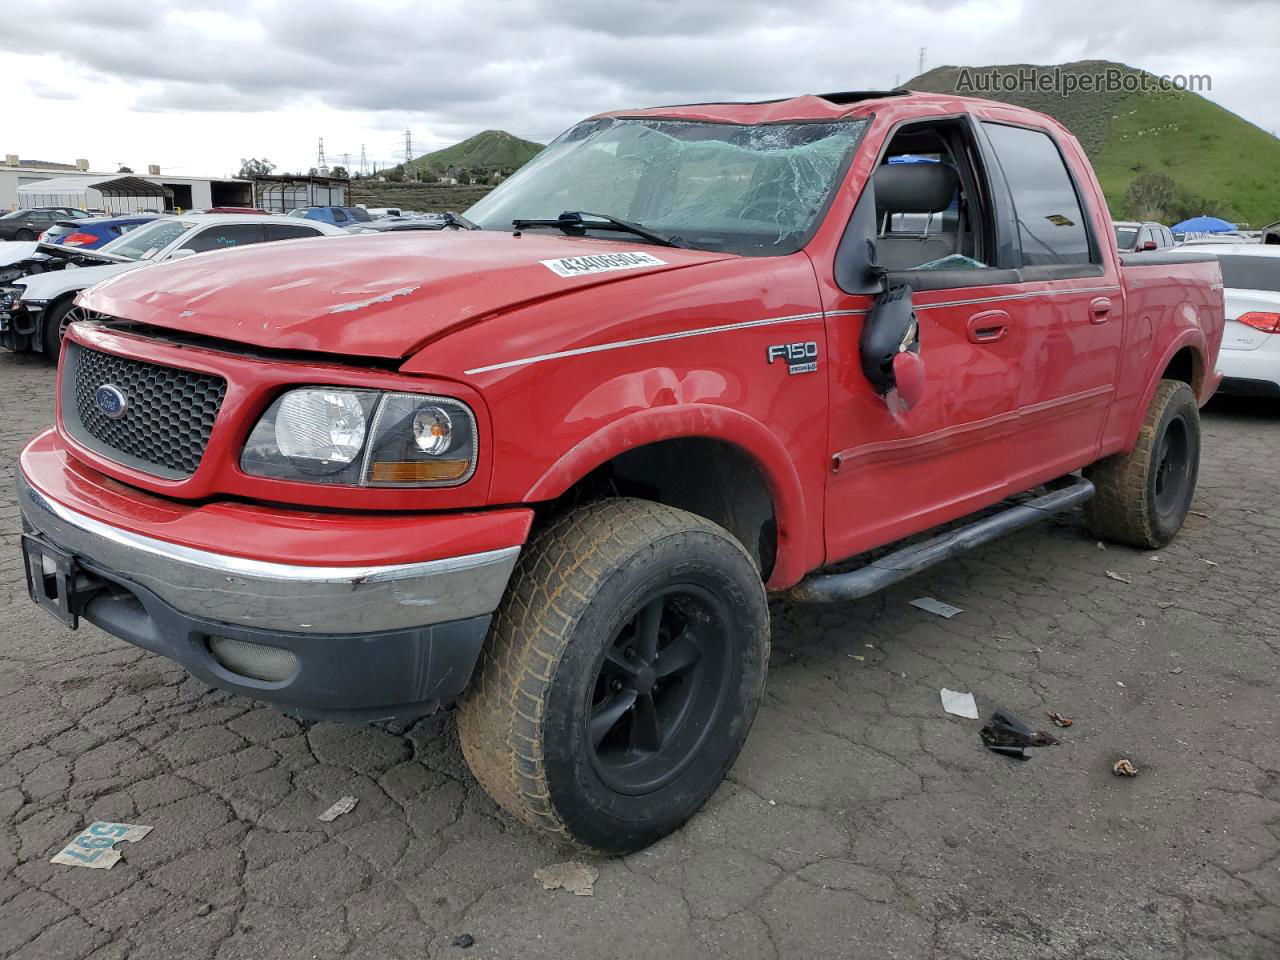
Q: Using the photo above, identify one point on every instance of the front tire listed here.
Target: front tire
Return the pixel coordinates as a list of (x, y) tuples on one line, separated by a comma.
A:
[(1143, 496), (56, 322), (621, 674), (24, 235)]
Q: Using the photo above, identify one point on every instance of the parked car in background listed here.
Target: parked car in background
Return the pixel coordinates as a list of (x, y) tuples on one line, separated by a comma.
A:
[(1250, 357), (257, 210), (338, 216), (1270, 234), (94, 232), (392, 224), (1132, 236), (35, 308), (379, 213), (29, 224)]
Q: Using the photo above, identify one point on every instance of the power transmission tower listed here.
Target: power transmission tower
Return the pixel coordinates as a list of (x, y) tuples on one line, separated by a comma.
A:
[(321, 164), (408, 152), (920, 67), (363, 161), (346, 163)]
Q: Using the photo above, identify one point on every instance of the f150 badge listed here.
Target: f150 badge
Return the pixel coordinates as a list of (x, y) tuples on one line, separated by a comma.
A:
[(800, 357)]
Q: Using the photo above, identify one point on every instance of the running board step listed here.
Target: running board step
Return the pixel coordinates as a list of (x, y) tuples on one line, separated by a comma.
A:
[(903, 563)]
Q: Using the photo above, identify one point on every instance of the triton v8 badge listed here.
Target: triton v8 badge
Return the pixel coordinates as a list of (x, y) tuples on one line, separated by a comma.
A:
[(800, 357)]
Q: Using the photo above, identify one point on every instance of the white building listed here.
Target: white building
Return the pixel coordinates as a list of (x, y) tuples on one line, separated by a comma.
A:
[(37, 184)]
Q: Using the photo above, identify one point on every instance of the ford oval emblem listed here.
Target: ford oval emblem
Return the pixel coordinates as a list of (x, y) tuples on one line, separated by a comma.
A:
[(111, 401)]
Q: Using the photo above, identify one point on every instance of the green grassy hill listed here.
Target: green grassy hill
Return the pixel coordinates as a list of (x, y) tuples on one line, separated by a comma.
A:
[(490, 150), (1219, 163)]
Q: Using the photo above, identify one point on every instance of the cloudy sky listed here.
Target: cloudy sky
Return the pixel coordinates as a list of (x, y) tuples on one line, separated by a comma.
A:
[(194, 89)]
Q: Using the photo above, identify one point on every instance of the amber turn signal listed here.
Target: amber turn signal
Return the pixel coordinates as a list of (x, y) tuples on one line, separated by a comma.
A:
[(411, 471)]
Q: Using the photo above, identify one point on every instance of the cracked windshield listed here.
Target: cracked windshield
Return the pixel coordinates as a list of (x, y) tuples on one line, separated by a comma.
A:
[(745, 189)]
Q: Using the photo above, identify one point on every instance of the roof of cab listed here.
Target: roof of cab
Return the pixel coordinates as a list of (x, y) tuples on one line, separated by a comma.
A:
[(810, 106)]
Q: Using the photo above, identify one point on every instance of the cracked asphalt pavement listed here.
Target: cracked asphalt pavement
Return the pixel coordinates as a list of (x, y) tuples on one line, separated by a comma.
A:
[(860, 821)]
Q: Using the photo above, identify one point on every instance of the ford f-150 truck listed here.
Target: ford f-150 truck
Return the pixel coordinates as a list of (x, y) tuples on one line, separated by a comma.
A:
[(548, 464)]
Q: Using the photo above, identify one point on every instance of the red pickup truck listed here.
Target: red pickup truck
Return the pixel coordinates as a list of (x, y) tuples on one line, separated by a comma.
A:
[(548, 464)]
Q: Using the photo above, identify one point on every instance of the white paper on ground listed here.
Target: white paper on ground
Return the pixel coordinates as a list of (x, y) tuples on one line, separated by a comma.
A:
[(931, 605), (345, 805), (960, 704), (95, 846)]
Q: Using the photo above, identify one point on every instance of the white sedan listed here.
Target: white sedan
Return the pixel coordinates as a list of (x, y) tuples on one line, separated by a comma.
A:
[(34, 307), (1250, 356)]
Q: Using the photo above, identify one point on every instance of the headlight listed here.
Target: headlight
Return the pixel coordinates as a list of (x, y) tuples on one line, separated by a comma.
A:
[(363, 438), (322, 431)]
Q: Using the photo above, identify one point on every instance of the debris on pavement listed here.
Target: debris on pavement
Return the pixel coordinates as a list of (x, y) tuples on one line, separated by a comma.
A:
[(1119, 576), (578, 878), (464, 940), (1119, 683), (95, 846), (930, 605), (1212, 563), (1059, 720), (204, 909), (960, 704), (1101, 545), (1176, 670), (344, 805), (1006, 734), (1124, 768)]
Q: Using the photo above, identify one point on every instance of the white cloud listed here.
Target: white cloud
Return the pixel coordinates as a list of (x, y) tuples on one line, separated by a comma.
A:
[(189, 87)]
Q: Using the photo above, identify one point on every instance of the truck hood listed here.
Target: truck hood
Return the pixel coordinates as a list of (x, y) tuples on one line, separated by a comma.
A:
[(370, 295)]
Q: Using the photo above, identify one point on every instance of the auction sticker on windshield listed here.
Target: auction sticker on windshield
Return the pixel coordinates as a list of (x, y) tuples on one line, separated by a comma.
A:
[(601, 263)]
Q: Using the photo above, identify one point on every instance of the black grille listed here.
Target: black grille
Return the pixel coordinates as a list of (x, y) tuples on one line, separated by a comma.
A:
[(168, 416)]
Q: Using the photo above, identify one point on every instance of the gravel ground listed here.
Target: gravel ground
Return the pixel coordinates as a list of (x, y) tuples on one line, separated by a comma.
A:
[(861, 821)]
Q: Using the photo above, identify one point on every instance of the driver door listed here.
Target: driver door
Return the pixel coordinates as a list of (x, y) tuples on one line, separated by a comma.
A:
[(894, 471)]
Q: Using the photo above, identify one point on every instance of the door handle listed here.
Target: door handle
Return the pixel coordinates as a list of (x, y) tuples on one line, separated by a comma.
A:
[(1099, 309), (990, 326)]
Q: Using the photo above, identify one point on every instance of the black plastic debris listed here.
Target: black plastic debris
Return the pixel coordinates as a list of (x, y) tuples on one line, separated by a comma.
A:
[(1006, 734), (464, 941)]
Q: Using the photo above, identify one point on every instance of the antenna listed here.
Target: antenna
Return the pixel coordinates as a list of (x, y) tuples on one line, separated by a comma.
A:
[(920, 68)]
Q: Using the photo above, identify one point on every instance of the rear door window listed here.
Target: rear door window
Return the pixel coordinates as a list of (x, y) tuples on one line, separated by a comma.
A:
[(1051, 223), (289, 231)]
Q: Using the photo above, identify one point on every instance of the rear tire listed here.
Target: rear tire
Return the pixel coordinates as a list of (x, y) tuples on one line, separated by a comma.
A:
[(574, 721), (1143, 496), (24, 235)]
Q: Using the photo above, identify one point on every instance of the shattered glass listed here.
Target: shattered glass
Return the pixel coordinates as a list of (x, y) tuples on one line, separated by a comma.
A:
[(718, 186)]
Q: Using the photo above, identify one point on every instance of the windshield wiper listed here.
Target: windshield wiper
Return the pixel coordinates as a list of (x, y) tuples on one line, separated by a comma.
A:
[(458, 221), (574, 221)]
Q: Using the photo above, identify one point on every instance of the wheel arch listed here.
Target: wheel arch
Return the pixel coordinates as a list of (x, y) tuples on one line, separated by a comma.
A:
[(1184, 360), (716, 462)]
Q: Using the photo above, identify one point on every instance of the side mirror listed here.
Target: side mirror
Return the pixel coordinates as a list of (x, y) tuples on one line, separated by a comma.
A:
[(179, 254), (890, 347), (1150, 245)]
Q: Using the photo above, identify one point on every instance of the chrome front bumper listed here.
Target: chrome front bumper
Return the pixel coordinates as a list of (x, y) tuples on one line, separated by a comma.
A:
[(277, 596)]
